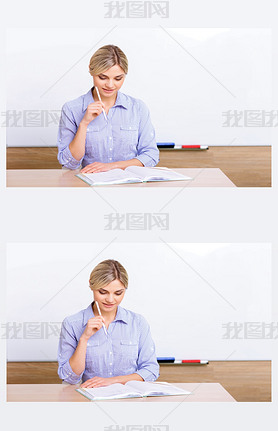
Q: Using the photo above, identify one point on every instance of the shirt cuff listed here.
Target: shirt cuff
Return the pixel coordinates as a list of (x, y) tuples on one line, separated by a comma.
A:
[(147, 375), (69, 376), (67, 160), (147, 160)]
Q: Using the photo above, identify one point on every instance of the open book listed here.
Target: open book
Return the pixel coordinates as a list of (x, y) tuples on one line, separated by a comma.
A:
[(132, 389), (132, 174)]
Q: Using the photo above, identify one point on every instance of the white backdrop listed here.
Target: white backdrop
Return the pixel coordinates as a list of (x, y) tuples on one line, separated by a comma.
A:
[(187, 77), (185, 291)]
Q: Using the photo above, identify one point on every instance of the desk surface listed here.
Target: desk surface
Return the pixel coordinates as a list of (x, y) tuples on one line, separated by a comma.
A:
[(201, 177), (206, 392)]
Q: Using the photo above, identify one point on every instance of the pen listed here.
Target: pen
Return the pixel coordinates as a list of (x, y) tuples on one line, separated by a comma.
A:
[(104, 113), (104, 327)]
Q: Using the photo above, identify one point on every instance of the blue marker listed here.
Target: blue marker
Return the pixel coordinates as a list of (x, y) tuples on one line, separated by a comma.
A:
[(166, 359), (165, 145)]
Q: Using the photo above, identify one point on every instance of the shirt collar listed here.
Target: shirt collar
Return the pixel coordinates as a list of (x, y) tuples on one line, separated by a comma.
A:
[(121, 314), (121, 100)]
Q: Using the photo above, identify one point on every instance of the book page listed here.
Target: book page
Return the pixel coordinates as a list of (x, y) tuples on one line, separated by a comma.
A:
[(156, 174), (116, 390), (108, 177), (151, 388)]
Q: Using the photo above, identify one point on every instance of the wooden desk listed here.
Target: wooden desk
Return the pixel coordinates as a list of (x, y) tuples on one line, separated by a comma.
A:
[(201, 392), (246, 166), (201, 177)]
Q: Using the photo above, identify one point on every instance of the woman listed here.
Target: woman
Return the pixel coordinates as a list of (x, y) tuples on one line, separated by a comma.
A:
[(122, 351), (114, 132)]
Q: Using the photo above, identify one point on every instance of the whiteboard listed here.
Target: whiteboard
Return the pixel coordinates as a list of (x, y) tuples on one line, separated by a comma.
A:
[(189, 78), (187, 292)]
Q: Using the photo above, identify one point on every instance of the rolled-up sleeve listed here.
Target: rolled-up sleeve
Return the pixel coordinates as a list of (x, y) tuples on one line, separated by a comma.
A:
[(66, 133), (147, 364), (67, 346), (148, 153)]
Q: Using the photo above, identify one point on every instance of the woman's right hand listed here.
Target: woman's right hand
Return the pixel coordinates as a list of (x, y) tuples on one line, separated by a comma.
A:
[(92, 111), (93, 325)]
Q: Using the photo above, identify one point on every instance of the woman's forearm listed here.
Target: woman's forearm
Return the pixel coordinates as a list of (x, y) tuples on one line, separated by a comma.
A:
[(77, 360), (77, 145)]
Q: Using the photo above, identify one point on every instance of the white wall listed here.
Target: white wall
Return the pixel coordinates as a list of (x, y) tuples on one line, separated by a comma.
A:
[(187, 83), (186, 293)]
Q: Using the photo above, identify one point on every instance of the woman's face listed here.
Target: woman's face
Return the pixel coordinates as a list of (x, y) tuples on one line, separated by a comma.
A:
[(110, 296), (110, 81)]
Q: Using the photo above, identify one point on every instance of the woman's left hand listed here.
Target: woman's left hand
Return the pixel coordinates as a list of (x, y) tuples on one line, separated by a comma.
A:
[(97, 382), (98, 167)]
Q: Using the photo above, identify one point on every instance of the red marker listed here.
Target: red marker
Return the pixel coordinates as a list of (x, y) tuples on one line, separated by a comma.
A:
[(191, 147)]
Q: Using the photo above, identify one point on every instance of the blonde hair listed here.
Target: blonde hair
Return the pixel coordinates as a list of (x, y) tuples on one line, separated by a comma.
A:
[(105, 57), (106, 272)]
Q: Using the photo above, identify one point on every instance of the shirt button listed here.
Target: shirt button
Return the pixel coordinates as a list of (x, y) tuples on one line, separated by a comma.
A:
[(111, 363), (110, 353), (110, 374), (110, 149), (110, 137), (110, 158)]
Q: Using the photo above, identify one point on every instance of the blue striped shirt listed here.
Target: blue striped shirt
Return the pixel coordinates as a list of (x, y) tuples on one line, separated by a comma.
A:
[(127, 349), (128, 133)]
